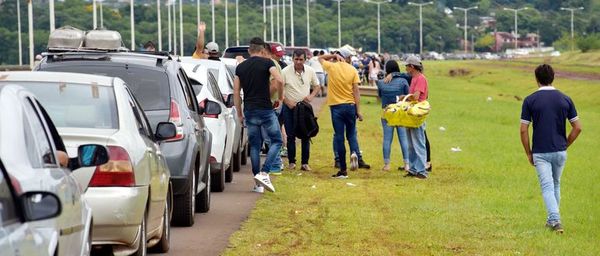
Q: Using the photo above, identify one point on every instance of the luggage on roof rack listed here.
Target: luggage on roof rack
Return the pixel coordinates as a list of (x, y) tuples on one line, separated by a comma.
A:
[(66, 37), (103, 39)]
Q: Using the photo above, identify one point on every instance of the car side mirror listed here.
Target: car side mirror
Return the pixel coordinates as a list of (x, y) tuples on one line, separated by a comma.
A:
[(165, 131), (229, 102), (212, 108), (40, 205), (89, 155)]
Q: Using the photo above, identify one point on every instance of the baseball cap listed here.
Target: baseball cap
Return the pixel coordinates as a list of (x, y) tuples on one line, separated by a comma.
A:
[(413, 60), (212, 47), (345, 52), (277, 50)]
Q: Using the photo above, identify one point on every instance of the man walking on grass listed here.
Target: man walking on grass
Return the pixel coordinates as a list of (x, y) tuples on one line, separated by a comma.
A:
[(253, 77), (548, 109), (298, 79), (343, 101)]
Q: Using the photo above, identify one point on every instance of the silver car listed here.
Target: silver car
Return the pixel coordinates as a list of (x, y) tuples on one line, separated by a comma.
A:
[(131, 194), (56, 219)]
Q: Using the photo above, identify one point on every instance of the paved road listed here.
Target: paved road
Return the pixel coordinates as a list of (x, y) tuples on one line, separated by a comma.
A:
[(229, 209)]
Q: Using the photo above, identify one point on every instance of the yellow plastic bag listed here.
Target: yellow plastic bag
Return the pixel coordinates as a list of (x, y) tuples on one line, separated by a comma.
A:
[(410, 114)]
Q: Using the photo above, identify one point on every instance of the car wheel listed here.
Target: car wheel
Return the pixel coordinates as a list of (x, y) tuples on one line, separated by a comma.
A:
[(165, 239), (203, 199), (237, 158), (142, 240), (245, 154), (183, 212), (229, 171), (217, 182)]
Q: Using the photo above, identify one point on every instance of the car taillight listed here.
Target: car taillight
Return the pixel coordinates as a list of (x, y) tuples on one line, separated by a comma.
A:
[(175, 118), (202, 106), (118, 171)]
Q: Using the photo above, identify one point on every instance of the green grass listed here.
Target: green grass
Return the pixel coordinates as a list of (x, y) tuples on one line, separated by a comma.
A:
[(484, 200), (572, 62)]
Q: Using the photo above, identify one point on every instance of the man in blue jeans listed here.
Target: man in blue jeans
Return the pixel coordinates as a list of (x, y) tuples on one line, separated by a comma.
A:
[(253, 76), (548, 109)]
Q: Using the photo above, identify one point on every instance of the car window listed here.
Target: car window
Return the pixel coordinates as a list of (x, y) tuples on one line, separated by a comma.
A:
[(77, 105), (40, 146), (238, 51), (196, 85), (215, 91), (142, 124), (8, 208), (150, 87), (188, 98)]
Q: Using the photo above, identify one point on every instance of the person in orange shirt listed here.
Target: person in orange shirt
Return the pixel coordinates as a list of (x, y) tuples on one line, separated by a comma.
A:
[(212, 48)]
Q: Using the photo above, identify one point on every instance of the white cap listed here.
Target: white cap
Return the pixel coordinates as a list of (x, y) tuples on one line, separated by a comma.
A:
[(413, 60), (345, 52), (212, 47)]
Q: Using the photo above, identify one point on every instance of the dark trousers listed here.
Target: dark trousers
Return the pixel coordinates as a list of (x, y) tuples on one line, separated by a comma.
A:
[(290, 130)]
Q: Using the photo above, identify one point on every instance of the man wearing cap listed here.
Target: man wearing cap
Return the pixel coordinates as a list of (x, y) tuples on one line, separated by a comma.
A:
[(212, 47), (253, 76), (344, 101)]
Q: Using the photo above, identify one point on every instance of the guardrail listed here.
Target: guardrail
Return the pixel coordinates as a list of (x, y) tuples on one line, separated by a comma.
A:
[(15, 68)]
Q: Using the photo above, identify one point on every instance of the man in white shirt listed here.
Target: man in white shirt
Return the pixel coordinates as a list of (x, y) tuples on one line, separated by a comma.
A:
[(297, 82), (316, 65)]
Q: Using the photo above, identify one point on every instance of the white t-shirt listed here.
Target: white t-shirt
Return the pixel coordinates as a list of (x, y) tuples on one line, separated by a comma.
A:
[(315, 64), (297, 86)]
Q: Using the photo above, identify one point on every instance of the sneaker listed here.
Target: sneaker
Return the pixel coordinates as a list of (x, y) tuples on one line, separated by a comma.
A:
[(429, 168), (305, 167), (340, 175), (409, 175), (556, 227), (258, 189), (421, 176), (363, 165), (353, 162), (386, 168), (292, 166), (263, 179), (336, 165)]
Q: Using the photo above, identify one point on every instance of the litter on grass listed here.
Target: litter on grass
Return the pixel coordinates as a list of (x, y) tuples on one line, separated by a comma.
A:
[(351, 184), (489, 98), (442, 128), (299, 174), (313, 186), (456, 149)]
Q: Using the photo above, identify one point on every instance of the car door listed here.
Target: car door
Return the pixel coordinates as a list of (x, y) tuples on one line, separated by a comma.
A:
[(226, 115), (70, 221)]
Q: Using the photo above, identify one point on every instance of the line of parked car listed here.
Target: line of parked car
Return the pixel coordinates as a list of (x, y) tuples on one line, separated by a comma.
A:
[(148, 137)]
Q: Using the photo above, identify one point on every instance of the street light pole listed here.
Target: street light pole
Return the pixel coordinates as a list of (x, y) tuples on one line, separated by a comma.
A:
[(272, 23), (420, 23), (572, 10), (94, 17), (168, 3), (278, 23), (158, 23), (101, 15), (339, 23), (30, 21), (284, 22), (237, 23), (226, 24), (132, 23), (516, 23), (212, 28), (292, 21), (19, 32), (181, 28), (465, 10), (264, 19), (379, 22), (52, 19), (307, 23)]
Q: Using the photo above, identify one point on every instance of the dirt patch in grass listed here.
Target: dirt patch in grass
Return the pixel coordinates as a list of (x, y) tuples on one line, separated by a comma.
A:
[(459, 72), (558, 73)]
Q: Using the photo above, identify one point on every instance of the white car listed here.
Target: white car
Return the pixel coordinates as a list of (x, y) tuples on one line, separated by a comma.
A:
[(56, 218), (131, 195), (217, 117), (224, 74)]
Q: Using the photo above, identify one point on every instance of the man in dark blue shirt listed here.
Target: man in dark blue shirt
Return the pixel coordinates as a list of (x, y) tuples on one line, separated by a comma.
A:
[(548, 109)]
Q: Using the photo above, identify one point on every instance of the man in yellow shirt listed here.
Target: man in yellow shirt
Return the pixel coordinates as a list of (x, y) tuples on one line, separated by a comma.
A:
[(344, 102), (212, 48)]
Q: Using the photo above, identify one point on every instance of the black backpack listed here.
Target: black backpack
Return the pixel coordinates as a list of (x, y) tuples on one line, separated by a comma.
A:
[(305, 120)]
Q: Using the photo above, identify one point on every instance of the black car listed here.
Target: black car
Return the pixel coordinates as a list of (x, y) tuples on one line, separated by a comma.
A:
[(162, 87)]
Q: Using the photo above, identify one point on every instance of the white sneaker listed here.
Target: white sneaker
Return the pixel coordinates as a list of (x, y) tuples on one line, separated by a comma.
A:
[(353, 162), (263, 179), (258, 189)]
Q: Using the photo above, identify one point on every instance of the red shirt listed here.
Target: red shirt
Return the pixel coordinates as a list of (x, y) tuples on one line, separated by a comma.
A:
[(419, 84)]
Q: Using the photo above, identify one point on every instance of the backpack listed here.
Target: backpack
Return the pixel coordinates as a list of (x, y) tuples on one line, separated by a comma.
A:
[(305, 120)]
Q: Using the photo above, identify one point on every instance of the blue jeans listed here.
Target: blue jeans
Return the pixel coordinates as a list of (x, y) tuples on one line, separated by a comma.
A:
[(290, 129), (417, 152), (276, 166), (255, 120), (549, 167), (343, 118), (388, 137)]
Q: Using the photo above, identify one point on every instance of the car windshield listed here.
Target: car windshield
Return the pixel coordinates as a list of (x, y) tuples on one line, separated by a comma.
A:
[(234, 52), (77, 105), (150, 87)]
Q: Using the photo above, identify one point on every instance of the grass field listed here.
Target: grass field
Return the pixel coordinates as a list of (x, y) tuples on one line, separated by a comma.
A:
[(484, 200)]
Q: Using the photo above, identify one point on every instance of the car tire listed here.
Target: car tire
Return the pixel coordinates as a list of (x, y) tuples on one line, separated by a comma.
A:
[(245, 154), (237, 158), (217, 181), (183, 212), (164, 243), (229, 171), (142, 239), (203, 198)]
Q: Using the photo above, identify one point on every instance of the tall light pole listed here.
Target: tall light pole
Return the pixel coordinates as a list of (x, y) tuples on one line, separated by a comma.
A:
[(278, 27), (197, 16), (572, 10), (30, 21), (212, 28), (516, 23), (180, 28), (94, 17), (339, 23), (465, 10), (159, 25), (174, 23), (420, 23), (379, 21), (226, 24), (284, 22), (132, 24), (292, 21), (237, 23), (19, 32), (307, 23), (264, 19), (169, 3), (272, 23), (52, 19), (101, 15)]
